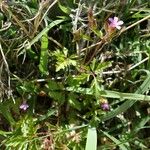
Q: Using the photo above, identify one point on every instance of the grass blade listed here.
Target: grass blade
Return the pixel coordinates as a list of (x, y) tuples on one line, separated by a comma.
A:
[(127, 104), (112, 94), (116, 141), (91, 143), (44, 31)]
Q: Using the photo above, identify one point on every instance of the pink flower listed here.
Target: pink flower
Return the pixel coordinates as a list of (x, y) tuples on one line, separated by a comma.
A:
[(24, 106), (115, 23), (105, 106)]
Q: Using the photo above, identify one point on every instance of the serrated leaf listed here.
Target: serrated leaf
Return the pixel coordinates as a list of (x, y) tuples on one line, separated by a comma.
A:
[(73, 101), (53, 85), (58, 96), (65, 63)]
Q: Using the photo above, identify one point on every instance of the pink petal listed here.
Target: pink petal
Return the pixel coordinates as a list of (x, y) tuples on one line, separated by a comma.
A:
[(24, 106), (116, 19), (111, 19), (112, 25)]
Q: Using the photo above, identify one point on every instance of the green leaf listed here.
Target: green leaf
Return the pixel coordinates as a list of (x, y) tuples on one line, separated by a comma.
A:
[(58, 96), (73, 101), (140, 125), (111, 94), (101, 66), (131, 96), (99, 33), (44, 31), (43, 66), (116, 141), (96, 88), (5, 111), (3, 133), (63, 60), (139, 144), (47, 115), (145, 85), (65, 63), (27, 86), (66, 10), (127, 104), (86, 37), (91, 143), (53, 85)]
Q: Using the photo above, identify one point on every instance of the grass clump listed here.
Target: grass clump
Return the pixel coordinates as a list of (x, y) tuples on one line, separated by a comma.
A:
[(74, 75)]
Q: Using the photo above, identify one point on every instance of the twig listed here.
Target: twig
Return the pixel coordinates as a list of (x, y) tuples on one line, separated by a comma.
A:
[(6, 27), (78, 12), (112, 72), (96, 44), (7, 69), (56, 42), (134, 24), (95, 51), (138, 63), (3, 56), (48, 10), (132, 67)]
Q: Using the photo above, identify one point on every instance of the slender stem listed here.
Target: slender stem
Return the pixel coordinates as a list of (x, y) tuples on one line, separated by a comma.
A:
[(134, 24)]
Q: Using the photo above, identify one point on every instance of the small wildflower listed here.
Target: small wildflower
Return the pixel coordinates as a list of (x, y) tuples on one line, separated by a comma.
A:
[(105, 106), (24, 106), (115, 23)]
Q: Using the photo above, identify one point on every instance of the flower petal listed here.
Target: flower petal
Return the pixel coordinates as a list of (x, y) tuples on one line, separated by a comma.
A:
[(112, 25), (111, 20), (116, 19), (21, 106), (105, 106), (118, 27), (120, 22), (24, 106)]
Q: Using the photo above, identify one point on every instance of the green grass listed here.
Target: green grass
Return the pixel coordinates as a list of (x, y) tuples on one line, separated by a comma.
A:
[(64, 60)]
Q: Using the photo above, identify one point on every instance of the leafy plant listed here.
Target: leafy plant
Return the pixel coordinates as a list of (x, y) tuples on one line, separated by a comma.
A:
[(74, 75)]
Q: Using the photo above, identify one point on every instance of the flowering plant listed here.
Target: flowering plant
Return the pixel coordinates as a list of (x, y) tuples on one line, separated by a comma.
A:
[(115, 23)]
